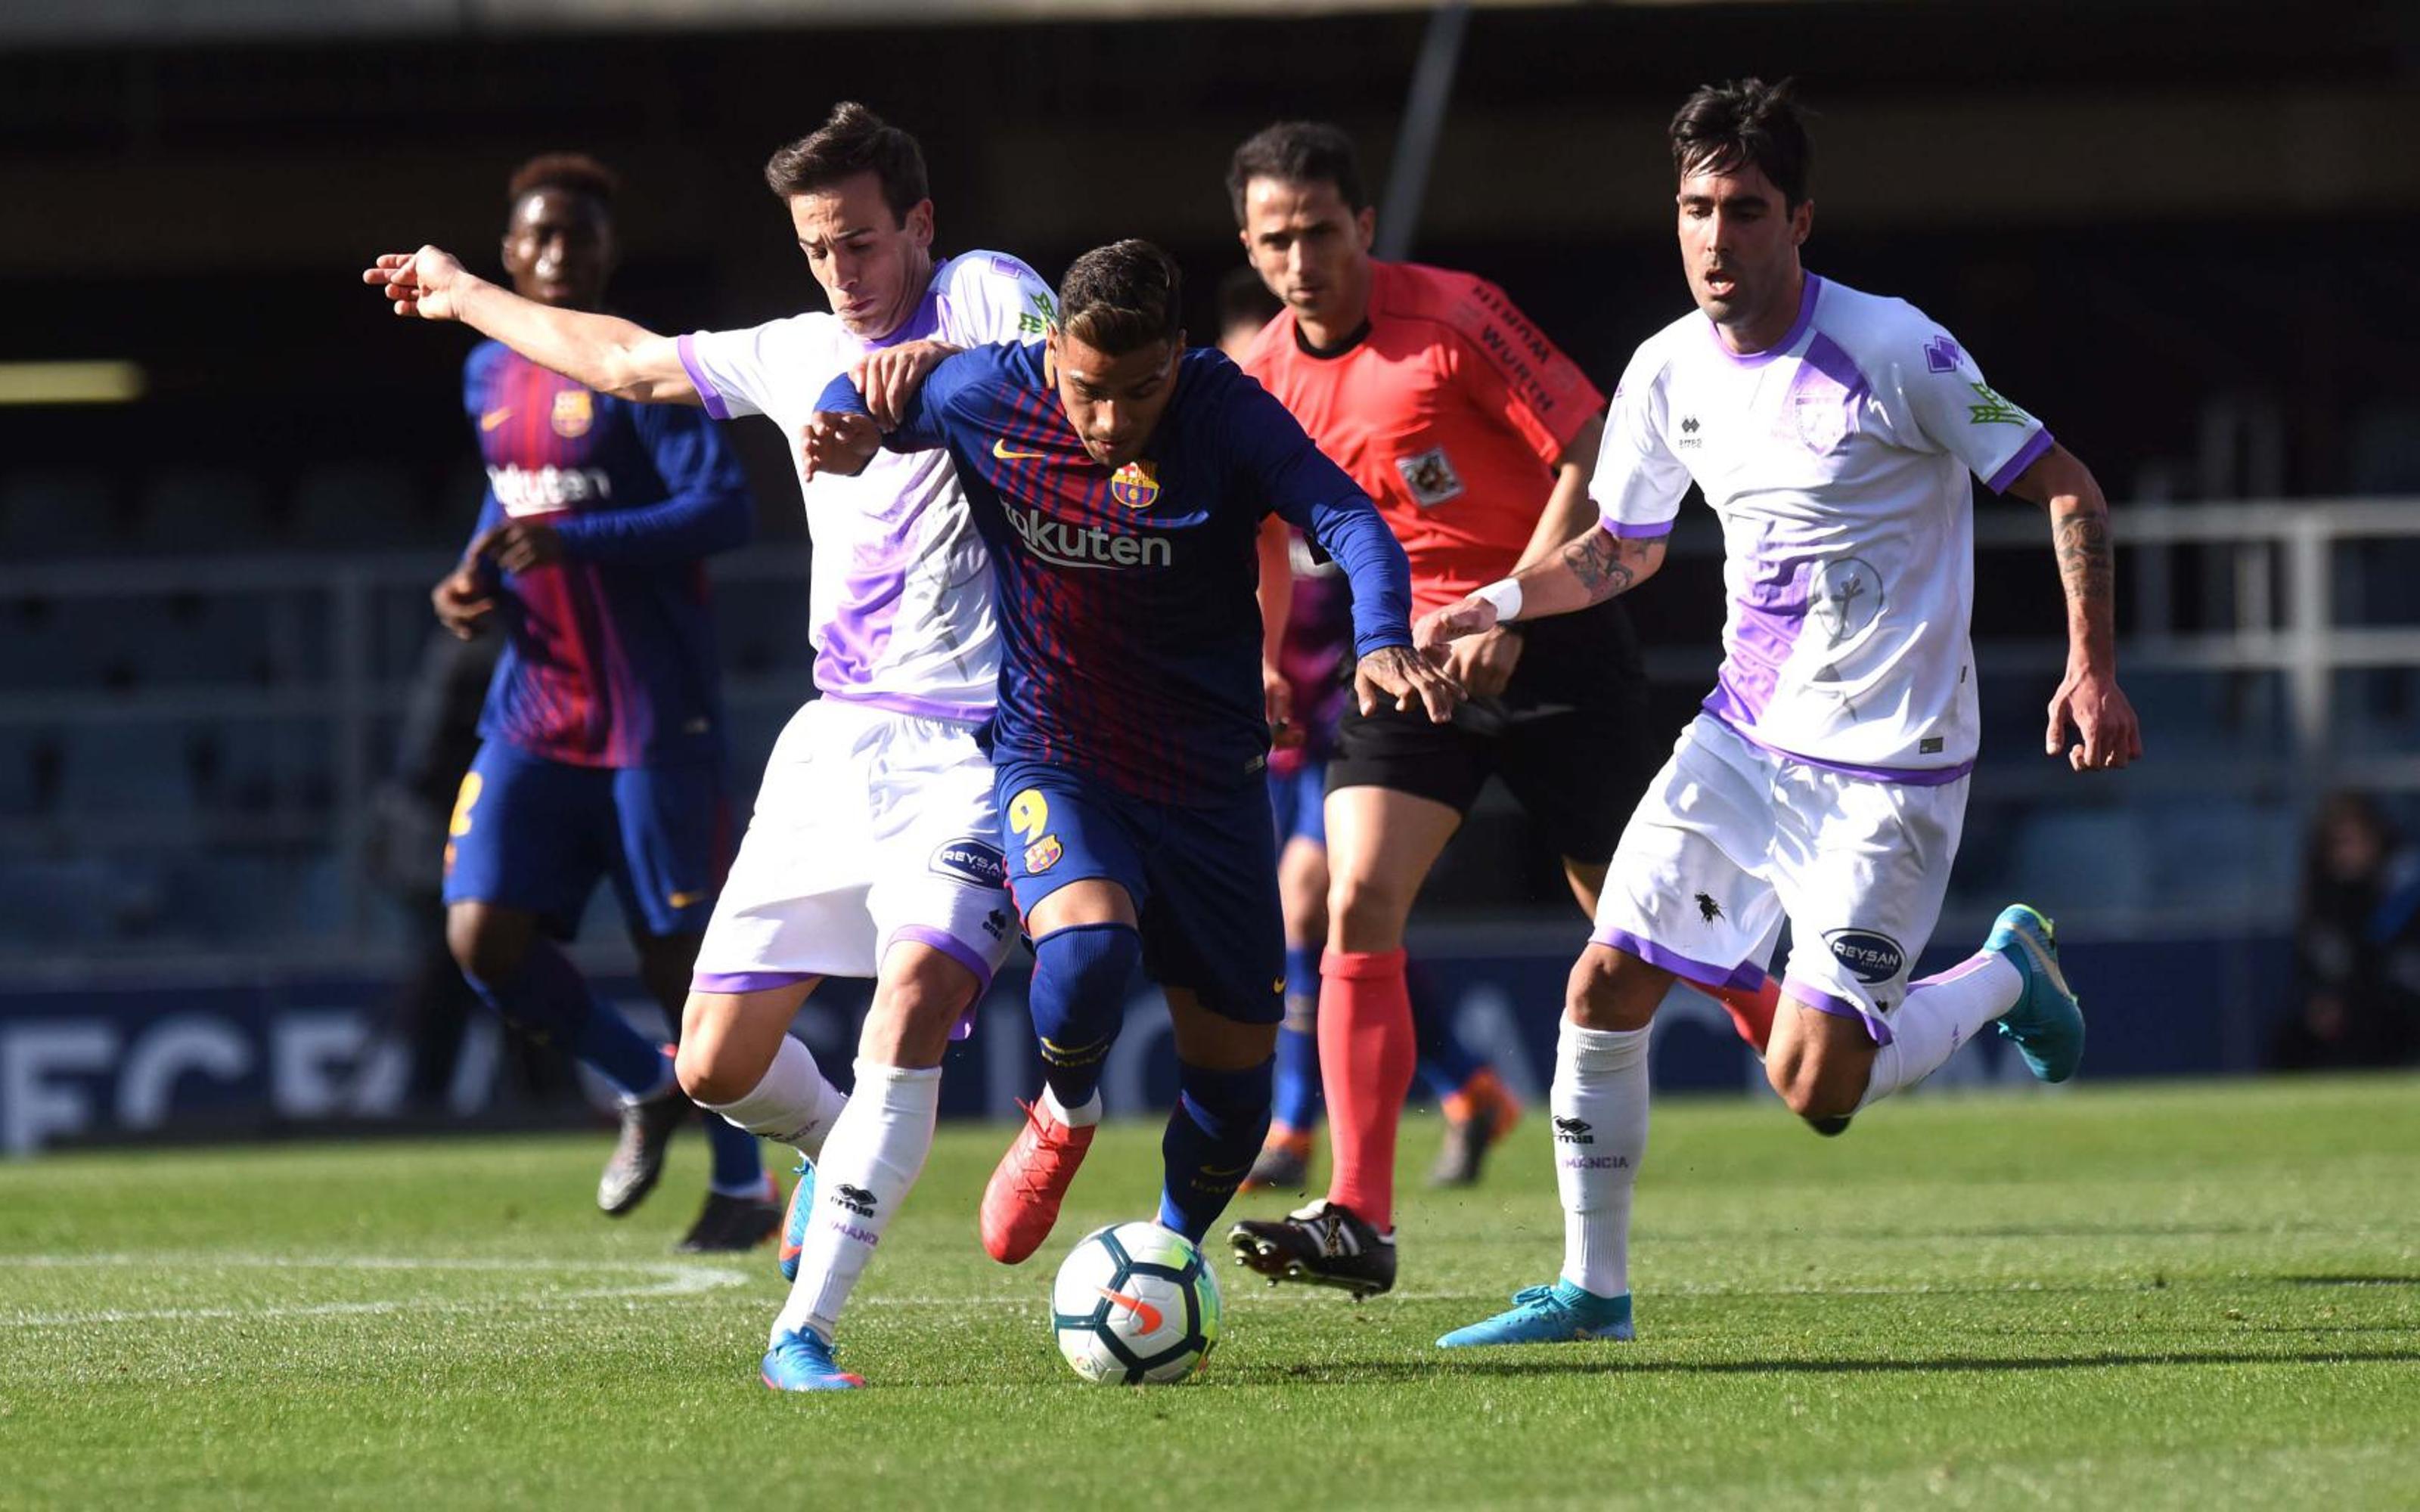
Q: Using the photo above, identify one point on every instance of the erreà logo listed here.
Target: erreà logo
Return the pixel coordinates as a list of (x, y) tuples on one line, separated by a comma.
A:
[(1066, 544), (1869, 956), (856, 1200), (1574, 1131)]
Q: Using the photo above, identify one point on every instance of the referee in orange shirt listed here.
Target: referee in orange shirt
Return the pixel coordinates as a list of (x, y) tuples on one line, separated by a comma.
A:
[(1476, 436)]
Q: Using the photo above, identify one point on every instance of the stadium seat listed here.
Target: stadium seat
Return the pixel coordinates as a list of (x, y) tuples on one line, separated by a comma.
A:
[(198, 509), (66, 645), (87, 902), (2222, 853), (358, 506), (199, 640), (139, 770), (52, 513), (2081, 858), (30, 658), (262, 766), (23, 779)]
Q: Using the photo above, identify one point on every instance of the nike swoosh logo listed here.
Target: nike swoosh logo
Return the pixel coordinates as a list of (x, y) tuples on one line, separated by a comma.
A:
[(1145, 1313), (494, 418), (999, 449), (685, 900)]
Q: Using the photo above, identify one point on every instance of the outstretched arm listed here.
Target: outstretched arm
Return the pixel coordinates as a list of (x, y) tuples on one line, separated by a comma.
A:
[(603, 351), (1587, 571), (2088, 698)]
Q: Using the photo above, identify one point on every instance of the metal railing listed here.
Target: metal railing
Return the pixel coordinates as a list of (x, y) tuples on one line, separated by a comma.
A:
[(2261, 579)]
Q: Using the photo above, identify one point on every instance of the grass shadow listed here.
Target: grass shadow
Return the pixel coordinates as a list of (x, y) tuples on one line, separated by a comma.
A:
[(1600, 1362)]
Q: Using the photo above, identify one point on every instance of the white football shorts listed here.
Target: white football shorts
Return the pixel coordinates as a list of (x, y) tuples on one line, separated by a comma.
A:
[(1733, 838), (872, 827)]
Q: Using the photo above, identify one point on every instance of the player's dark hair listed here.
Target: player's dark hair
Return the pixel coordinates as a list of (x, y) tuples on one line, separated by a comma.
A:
[(1122, 298), (574, 173), (853, 140), (1745, 123), (1296, 152), (1244, 300)]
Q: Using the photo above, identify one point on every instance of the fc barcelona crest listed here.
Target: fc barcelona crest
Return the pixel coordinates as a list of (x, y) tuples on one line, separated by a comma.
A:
[(1135, 485), (1043, 855), (575, 411)]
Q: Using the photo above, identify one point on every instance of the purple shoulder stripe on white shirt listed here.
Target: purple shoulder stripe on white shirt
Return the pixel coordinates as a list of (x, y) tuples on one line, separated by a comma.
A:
[(924, 323), (715, 405), (2027, 454)]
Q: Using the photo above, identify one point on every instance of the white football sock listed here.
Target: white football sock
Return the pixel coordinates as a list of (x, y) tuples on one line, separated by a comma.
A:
[(1084, 1116), (792, 1105), (1940, 1014), (872, 1158), (1599, 1102)]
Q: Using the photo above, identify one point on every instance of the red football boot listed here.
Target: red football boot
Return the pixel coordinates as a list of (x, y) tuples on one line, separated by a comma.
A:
[(1022, 1201)]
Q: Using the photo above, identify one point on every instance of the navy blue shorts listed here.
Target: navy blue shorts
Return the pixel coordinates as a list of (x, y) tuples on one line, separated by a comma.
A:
[(1203, 880), (1299, 800), (534, 834)]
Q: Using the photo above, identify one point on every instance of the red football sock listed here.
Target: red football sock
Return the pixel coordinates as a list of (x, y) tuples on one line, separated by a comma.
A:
[(1751, 1009), (1367, 1049)]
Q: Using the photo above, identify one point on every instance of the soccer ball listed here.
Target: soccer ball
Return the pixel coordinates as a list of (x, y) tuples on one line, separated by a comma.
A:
[(1134, 1304)]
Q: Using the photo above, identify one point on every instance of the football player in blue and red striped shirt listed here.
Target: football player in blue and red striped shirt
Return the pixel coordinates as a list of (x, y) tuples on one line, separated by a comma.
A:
[(1120, 481), (605, 749)]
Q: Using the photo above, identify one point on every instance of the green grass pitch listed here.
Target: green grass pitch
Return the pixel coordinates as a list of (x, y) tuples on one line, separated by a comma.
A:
[(2203, 1296)]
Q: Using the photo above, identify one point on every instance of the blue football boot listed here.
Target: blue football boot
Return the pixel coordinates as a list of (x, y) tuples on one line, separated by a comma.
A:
[(802, 1360), (793, 1224), (1557, 1314), (2047, 1024)]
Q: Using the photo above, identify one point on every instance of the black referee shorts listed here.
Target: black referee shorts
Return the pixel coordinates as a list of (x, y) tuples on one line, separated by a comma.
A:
[(1569, 735)]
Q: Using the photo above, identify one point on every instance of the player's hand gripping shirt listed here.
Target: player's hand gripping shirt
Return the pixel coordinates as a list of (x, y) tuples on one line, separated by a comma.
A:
[(610, 659), (1452, 412), (900, 598), (1836, 461), (1130, 629)]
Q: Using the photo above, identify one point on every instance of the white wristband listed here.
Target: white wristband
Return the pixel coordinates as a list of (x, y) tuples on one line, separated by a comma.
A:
[(1505, 594)]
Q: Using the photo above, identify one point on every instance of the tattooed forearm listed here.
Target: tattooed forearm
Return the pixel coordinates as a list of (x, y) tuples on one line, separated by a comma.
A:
[(2081, 535), (1606, 565)]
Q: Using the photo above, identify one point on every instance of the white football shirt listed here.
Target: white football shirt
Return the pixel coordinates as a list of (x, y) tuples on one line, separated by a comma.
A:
[(900, 603), (1836, 461)]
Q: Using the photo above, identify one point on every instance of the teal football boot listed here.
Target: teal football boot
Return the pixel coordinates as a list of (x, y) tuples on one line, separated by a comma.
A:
[(1555, 1313), (2047, 1024)]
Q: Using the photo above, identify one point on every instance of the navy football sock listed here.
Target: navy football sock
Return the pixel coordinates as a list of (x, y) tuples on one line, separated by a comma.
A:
[(739, 1158), (1447, 1064), (1297, 1073), (1214, 1132), (549, 999), (1078, 1001)]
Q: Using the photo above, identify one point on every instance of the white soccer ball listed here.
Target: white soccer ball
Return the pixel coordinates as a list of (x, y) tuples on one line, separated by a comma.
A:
[(1135, 1303)]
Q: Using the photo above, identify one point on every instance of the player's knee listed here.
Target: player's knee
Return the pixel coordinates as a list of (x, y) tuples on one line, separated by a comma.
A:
[(1359, 904), (914, 1011), (714, 1068), (1812, 1086), (484, 945), (701, 1080), (1089, 961), (1610, 989)]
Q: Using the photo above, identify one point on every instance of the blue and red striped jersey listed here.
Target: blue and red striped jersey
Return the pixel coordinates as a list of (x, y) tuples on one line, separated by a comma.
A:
[(1131, 635), (610, 660)]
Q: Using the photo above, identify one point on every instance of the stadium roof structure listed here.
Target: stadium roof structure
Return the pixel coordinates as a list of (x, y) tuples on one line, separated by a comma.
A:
[(33, 22)]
